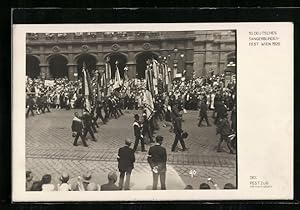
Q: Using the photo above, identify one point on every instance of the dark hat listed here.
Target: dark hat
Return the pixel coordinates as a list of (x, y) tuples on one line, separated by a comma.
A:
[(185, 135), (87, 177)]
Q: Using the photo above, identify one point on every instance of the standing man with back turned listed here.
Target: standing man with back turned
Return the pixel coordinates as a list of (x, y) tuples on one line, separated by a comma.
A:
[(126, 161), (157, 158)]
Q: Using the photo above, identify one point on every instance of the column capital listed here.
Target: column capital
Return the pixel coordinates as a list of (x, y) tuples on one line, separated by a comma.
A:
[(43, 65), (72, 64)]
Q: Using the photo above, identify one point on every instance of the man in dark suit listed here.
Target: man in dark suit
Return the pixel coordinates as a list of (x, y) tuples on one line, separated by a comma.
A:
[(178, 131), (203, 113), (30, 105), (88, 123), (137, 127), (157, 158), (77, 129), (126, 161)]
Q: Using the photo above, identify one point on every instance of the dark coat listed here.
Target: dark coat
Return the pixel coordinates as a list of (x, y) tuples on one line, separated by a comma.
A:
[(157, 156), (76, 125), (109, 187), (137, 129), (203, 109), (177, 125), (126, 159)]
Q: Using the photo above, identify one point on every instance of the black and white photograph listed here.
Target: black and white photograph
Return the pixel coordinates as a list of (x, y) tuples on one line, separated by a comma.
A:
[(131, 110), (152, 112)]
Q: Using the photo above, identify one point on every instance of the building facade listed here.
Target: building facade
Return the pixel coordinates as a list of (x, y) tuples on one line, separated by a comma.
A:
[(51, 55)]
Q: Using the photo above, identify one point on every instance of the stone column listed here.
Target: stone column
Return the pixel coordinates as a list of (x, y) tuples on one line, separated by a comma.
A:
[(189, 63), (131, 63), (44, 71), (72, 71)]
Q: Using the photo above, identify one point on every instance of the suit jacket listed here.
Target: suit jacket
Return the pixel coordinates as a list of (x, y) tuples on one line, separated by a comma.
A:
[(177, 126), (126, 159), (157, 156), (109, 187), (76, 125), (137, 128)]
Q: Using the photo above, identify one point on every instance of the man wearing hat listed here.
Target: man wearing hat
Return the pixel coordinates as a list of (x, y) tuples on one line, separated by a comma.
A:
[(77, 130), (84, 182), (157, 158), (126, 161), (64, 186), (137, 127), (110, 186)]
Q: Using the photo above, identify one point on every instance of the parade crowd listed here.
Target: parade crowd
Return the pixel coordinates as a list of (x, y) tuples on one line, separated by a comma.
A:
[(203, 94)]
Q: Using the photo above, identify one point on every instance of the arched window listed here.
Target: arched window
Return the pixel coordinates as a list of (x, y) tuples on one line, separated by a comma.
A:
[(90, 63), (32, 66), (122, 60), (58, 66), (141, 64)]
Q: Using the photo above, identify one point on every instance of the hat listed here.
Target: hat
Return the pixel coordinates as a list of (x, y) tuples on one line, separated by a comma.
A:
[(87, 177), (64, 177), (185, 135)]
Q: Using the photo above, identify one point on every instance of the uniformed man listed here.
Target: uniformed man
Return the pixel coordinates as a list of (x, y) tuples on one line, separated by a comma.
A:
[(137, 127), (157, 158), (30, 105), (77, 127), (203, 113), (87, 124), (177, 130), (224, 129), (99, 113)]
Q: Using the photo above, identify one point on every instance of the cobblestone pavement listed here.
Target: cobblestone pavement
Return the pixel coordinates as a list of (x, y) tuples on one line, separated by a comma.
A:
[(49, 149)]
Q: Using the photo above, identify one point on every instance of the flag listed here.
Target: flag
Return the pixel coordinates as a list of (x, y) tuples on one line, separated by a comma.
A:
[(107, 71), (118, 81), (148, 103), (149, 79), (86, 87), (155, 67), (147, 98)]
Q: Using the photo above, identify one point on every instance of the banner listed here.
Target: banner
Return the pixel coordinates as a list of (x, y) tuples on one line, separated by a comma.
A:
[(118, 81), (49, 83), (86, 91), (148, 103)]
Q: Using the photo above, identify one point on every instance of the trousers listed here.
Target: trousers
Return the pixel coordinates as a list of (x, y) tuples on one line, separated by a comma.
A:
[(162, 176)]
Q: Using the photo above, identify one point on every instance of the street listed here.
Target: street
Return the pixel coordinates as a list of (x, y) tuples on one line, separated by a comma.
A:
[(49, 149)]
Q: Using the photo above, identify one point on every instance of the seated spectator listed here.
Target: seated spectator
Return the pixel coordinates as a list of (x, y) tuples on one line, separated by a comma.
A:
[(229, 186), (29, 180), (110, 186), (84, 182), (64, 186), (188, 187), (93, 187), (204, 186), (46, 183), (36, 186)]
